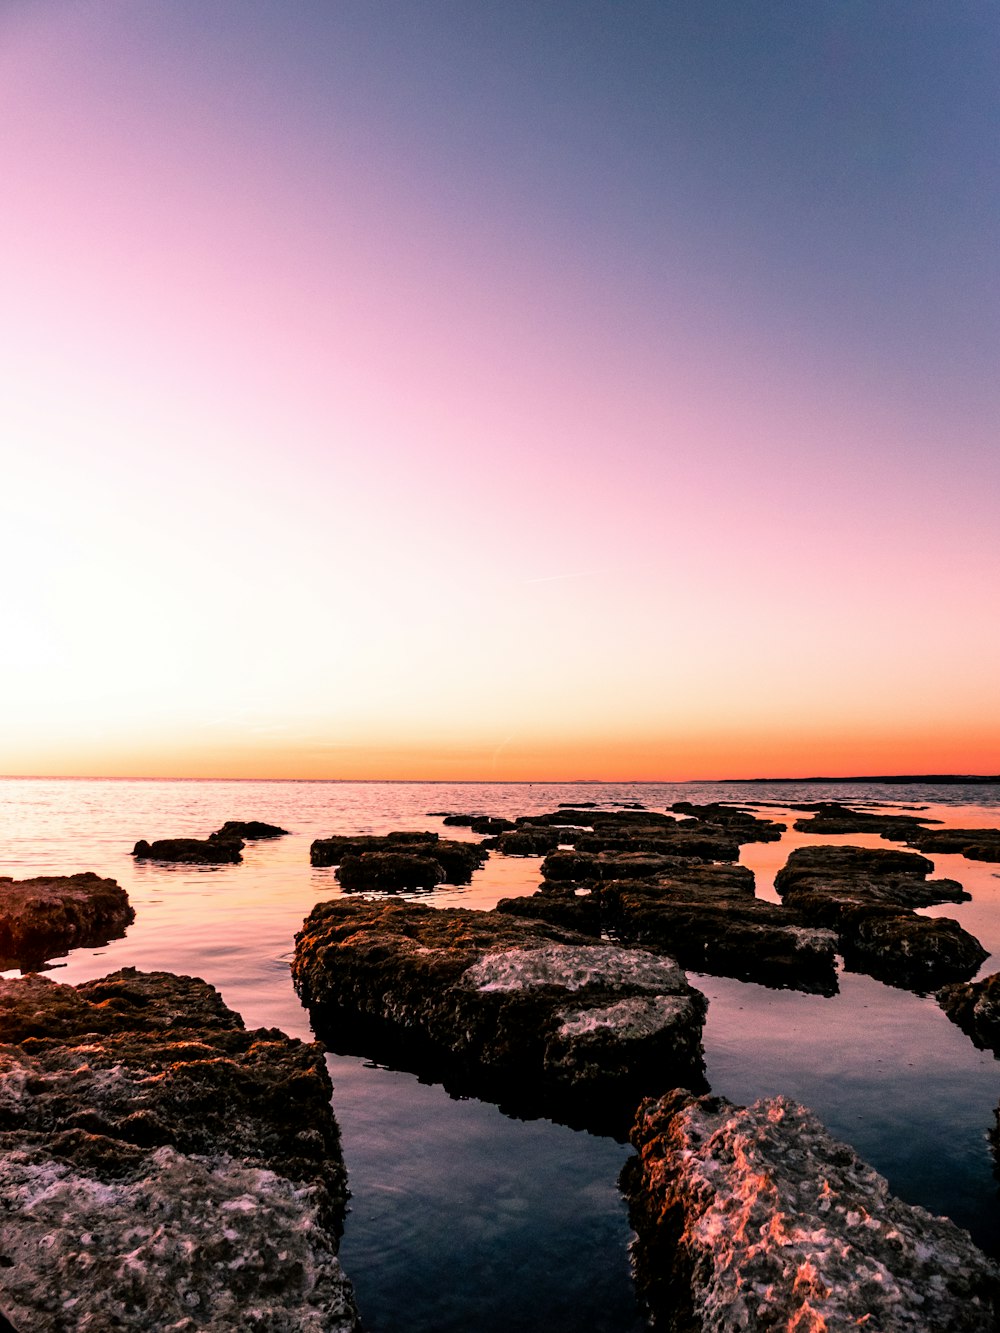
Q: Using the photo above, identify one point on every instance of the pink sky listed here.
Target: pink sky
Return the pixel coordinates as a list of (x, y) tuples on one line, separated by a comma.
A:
[(321, 466)]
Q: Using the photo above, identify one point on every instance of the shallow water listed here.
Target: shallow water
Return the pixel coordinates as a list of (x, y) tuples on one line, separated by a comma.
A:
[(461, 1217)]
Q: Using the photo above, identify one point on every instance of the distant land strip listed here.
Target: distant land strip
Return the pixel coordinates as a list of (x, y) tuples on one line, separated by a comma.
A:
[(938, 779)]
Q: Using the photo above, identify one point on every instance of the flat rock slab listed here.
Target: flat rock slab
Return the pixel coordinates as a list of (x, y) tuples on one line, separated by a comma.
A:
[(44, 917), (395, 862), (975, 1007), (543, 1021), (867, 896), (161, 1167), (705, 916), (211, 851), (975, 844), (251, 829), (746, 826), (756, 1218)]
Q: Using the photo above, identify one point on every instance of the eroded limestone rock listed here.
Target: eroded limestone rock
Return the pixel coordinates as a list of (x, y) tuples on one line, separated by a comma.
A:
[(191, 851), (756, 1218), (706, 916), (866, 896), (398, 861), (975, 1007), (542, 1020), (43, 917), (251, 829), (161, 1167)]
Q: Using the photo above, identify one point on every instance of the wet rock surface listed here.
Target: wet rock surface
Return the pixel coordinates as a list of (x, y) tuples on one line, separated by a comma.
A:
[(398, 861), (541, 1020), (975, 844), (706, 916), (867, 897), (162, 1167), (43, 917), (756, 1218), (975, 1007), (191, 851), (251, 829), (748, 826)]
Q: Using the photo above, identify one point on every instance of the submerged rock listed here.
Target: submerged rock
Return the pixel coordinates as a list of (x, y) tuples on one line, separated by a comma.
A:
[(542, 1020), (755, 1218), (975, 1007), (190, 851), (251, 829), (44, 917), (866, 896), (975, 844), (161, 1167), (398, 861), (706, 916)]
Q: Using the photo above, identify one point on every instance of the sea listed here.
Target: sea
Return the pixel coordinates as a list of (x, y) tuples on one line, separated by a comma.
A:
[(460, 1216)]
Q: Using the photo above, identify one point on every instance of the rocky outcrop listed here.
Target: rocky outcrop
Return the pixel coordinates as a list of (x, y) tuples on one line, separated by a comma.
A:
[(528, 841), (975, 844), (398, 861), (867, 897), (705, 916), (541, 1020), (42, 918), (161, 1167), (748, 827), (190, 851), (250, 829), (755, 1218), (975, 1007), (489, 824)]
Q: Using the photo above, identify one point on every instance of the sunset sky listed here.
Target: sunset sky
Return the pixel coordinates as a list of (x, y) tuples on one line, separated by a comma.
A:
[(465, 389)]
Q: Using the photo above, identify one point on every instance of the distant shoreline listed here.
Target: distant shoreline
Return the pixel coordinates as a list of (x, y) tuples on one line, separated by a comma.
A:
[(897, 779)]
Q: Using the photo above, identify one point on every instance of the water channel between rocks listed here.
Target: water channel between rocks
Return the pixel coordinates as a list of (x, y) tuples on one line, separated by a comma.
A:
[(462, 1217)]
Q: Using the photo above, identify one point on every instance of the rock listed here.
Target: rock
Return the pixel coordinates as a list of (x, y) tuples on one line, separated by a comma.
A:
[(526, 841), (975, 844), (546, 1022), (161, 1167), (190, 851), (975, 1007), (748, 827), (234, 829), (389, 872), (44, 917), (865, 896), (832, 817), (490, 824), (707, 917), (457, 861), (756, 1218)]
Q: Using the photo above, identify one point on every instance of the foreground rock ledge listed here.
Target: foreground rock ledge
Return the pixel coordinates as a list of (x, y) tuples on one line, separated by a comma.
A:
[(44, 917), (542, 1020), (755, 1218), (161, 1167)]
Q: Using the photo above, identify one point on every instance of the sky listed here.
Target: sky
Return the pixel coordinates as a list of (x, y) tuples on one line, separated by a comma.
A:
[(555, 389)]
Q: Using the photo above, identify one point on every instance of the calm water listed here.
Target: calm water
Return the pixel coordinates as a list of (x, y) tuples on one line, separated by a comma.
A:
[(462, 1218)]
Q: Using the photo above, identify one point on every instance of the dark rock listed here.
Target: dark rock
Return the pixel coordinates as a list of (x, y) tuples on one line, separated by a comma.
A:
[(389, 871), (756, 1218), (42, 918), (746, 826), (527, 841), (975, 844), (542, 1020), (707, 917), (577, 805), (832, 817), (865, 895), (161, 1167), (582, 817), (457, 860), (975, 1007), (459, 821), (190, 851), (491, 824), (234, 829)]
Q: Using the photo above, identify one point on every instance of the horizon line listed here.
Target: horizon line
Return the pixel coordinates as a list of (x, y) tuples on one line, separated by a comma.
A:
[(891, 778)]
